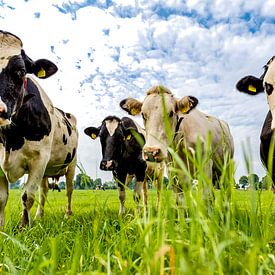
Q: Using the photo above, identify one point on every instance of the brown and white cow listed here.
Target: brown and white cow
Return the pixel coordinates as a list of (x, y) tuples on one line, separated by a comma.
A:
[(253, 85), (186, 125), (35, 137)]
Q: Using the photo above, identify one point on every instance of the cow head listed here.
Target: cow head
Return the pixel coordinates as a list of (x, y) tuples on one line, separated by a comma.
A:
[(14, 65), (114, 137), (266, 83), (160, 111)]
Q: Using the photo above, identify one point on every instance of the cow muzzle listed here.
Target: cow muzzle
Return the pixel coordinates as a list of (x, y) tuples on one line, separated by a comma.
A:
[(107, 165), (153, 154)]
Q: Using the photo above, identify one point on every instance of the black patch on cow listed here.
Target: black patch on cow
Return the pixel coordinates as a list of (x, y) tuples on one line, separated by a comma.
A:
[(31, 122), (268, 88), (266, 136), (65, 141), (266, 139), (24, 198), (70, 157), (66, 121), (179, 120)]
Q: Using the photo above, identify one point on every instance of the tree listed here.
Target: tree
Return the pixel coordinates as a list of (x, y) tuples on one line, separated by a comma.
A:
[(83, 181), (243, 183), (265, 183), (15, 185), (254, 181)]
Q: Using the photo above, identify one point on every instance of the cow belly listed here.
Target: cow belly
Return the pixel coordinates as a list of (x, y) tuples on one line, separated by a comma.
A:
[(56, 170)]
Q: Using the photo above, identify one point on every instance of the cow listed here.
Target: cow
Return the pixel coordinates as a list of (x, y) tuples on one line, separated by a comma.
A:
[(253, 85), (35, 137), (121, 144), (170, 121), (54, 185)]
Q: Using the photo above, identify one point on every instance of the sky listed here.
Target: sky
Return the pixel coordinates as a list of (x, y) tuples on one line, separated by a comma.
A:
[(109, 50)]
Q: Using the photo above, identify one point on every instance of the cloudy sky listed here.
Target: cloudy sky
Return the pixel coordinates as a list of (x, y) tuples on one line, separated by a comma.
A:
[(109, 50)]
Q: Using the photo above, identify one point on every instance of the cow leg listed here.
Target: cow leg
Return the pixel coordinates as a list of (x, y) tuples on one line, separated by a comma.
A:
[(122, 198), (27, 199), (70, 187), (139, 185), (121, 180), (145, 193), (44, 188), (4, 193), (178, 191), (138, 192)]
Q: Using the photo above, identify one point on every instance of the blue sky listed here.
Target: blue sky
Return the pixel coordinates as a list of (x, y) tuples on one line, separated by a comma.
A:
[(109, 50)]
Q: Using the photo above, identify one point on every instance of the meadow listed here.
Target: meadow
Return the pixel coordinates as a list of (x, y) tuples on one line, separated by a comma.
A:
[(236, 235)]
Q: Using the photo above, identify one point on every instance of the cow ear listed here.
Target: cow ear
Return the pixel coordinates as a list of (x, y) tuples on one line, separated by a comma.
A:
[(187, 103), (131, 106), (250, 85), (44, 68), (92, 132)]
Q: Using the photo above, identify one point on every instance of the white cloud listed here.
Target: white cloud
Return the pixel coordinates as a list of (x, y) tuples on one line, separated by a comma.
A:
[(107, 54)]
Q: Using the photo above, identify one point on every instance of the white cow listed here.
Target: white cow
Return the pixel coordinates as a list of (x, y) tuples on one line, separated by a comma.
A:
[(186, 124)]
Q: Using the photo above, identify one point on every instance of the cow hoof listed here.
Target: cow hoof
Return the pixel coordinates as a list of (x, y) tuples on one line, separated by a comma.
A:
[(68, 214), (23, 226)]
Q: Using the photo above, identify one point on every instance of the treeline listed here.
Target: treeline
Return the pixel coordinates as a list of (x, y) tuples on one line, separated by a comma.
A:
[(253, 181), (84, 181)]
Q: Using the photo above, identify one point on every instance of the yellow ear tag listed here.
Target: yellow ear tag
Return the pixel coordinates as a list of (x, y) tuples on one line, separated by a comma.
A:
[(41, 73), (134, 111), (251, 88), (128, 137), (93, 136)]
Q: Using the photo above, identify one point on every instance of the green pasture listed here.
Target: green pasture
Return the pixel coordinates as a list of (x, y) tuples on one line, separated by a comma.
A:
[(235, 235)]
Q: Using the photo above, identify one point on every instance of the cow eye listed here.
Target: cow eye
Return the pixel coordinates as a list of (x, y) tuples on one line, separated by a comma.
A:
[(171, 114), (19, 75), (268, 88)]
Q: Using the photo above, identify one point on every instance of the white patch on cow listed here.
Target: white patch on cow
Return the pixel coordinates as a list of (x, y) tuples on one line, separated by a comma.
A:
[(10, 45), (111, 126)]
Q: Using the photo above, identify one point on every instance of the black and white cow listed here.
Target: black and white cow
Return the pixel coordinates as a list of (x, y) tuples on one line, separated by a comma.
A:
[(266, 83), (35, 137), (121, 153)]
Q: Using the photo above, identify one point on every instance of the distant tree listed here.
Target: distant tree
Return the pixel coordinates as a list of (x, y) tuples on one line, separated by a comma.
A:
[(243, 183), (15, 185), (83, 181), (62, 185), (254, 181), (265, 183), (165, 181), (111, 185)]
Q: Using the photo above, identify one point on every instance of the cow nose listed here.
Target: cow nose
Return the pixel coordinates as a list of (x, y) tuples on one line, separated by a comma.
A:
[(152, 154), (106, 165)]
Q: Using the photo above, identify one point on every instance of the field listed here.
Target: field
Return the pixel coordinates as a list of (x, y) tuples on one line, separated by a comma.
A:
[(234, 235)]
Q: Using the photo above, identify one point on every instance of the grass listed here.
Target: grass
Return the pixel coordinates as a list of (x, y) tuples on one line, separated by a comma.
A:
[(235, 237)]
